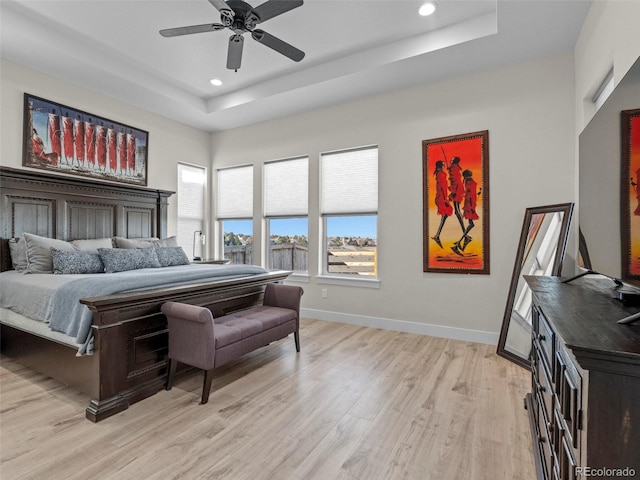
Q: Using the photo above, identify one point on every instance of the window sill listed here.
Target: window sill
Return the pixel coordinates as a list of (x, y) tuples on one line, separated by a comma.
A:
[(298, 277), (348, 281)]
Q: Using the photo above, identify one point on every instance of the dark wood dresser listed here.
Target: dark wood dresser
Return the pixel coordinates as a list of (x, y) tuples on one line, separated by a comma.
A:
[(585, 401)]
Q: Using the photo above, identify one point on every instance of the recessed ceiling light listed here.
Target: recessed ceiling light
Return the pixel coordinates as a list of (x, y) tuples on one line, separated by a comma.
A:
[(427, 9), (215, 82)]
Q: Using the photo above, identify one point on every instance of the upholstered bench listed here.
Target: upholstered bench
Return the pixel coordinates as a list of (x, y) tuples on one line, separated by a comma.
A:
[(199, 340)]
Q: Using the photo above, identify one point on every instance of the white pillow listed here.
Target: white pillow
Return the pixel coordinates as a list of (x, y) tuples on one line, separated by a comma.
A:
[(18, 252), (148, 242), (92, 245), (122, 242), (39, 259)]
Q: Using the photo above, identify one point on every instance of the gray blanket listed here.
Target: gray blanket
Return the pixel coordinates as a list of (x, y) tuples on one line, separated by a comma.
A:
[(62, 309)]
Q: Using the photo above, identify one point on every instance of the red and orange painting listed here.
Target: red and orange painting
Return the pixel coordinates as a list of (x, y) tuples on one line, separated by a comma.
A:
[(456, 203), (631, 187)]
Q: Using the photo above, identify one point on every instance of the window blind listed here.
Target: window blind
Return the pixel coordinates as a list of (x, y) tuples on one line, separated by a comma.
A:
[(191, 203), (286, 187), (349, 181), (235, 193)]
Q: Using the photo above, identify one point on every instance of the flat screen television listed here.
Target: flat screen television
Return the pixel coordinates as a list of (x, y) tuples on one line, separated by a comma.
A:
[(600, 180)]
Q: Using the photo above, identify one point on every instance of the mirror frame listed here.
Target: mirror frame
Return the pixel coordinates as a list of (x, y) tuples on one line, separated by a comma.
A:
[(567, 210)]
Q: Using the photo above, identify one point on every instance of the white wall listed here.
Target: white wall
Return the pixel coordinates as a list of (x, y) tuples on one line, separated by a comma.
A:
[(529, 112), (610, 38), (169, 141)]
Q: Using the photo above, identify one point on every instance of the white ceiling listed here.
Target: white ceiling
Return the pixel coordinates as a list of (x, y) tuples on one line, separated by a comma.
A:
[(354, 48)]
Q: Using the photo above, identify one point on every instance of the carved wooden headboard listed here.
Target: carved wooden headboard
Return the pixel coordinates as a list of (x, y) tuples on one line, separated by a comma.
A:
[(70, 208)]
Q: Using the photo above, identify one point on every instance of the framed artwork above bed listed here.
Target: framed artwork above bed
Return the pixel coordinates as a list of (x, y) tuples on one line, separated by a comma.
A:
[(67, 140)]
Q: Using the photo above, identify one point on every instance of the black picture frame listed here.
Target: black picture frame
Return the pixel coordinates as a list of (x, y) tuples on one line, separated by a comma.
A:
[(68, 140)]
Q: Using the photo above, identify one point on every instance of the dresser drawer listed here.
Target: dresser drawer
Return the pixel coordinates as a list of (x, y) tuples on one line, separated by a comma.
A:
[(544, 441), (544, 336), (544, 391), (567, 464), (568, 385)]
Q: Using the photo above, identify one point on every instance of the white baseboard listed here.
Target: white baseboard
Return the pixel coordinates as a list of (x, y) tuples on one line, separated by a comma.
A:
[(454, 333)]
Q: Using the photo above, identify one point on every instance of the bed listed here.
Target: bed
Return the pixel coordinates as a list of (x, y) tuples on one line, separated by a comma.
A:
[(129, 333)]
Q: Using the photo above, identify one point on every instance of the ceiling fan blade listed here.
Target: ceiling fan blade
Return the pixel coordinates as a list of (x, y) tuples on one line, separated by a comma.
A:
[(272, 8), (176, 32), (226, 13), (278, 45), (234, 54)]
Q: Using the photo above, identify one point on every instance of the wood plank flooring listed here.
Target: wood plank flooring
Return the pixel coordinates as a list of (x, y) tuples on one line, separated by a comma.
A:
[(356, 403)]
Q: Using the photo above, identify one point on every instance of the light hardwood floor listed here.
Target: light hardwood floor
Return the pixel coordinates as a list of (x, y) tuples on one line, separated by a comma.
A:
[(356, 403)]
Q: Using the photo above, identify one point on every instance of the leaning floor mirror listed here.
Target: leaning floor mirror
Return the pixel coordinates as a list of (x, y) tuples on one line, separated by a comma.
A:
[(540, 252)]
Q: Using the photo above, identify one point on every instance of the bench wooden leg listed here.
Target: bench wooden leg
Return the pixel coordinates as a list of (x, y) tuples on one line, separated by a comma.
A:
[(172, 373), (206, 388), (296, 337)]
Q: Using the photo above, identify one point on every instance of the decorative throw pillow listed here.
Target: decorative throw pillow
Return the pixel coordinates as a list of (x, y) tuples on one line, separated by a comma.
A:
[(123, 259), (170, 256), (76, 262), (18, 252), (39, 258), (148, 258), (92, 245)]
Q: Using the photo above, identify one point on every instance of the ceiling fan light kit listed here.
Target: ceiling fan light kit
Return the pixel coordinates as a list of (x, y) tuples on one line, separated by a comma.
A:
[(240, 18)]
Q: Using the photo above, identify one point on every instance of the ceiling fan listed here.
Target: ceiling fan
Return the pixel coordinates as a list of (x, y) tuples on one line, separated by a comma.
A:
[(240, 17)]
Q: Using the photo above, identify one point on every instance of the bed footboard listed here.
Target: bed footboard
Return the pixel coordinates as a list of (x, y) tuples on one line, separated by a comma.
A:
[(131, 336), (130, 341)]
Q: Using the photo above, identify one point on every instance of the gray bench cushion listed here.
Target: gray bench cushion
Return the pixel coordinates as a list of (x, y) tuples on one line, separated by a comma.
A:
[(236, 326)]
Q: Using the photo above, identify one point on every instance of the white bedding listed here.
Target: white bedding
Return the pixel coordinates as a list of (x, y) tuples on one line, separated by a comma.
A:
[(41, 329)]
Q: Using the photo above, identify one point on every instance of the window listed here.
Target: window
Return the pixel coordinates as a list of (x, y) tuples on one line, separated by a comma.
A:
[(604, 90), (286, 200), (192, 182), (235, 213), (349, 208)]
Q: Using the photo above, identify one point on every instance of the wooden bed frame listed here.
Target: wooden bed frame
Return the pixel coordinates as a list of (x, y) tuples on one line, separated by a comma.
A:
[(130, 333)]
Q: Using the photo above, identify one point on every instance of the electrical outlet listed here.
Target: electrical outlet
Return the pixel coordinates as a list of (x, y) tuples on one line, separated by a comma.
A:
[(324, 293)]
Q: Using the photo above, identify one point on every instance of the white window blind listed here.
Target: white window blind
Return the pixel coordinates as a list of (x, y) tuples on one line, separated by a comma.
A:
[(235, 192), (286, 187), (349, 181), (191, 203)]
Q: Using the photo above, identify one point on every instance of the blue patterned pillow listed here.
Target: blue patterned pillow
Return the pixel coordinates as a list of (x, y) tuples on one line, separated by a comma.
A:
[(123, 259), (170, 256), (75, 262)]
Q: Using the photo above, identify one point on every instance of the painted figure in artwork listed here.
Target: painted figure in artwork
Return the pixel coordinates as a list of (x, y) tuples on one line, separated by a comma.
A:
[(131, 152), (90, 141), (38, 150), (101, 146), (112, 148), (122, 150), (456, 187), (54, 134), (67, 138), (441, 199), (635, 187), (469, 211), (78, 126)]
